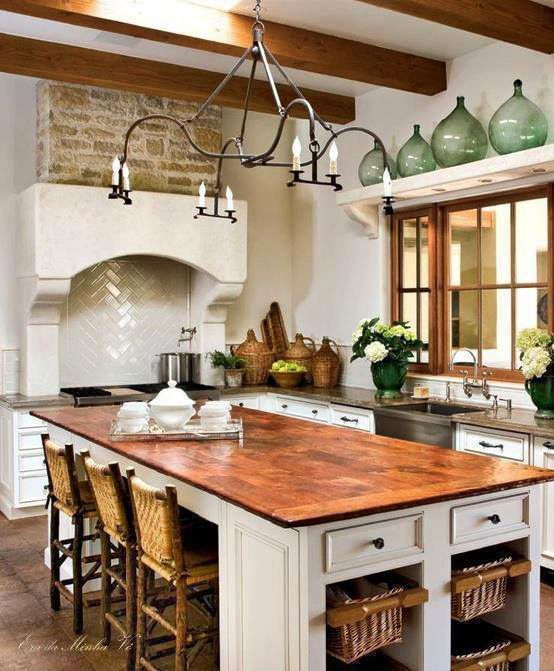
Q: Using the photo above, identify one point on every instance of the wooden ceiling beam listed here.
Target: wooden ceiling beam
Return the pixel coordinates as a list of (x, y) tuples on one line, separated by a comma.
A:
[(522, 22), (186, 24), (61, 62)]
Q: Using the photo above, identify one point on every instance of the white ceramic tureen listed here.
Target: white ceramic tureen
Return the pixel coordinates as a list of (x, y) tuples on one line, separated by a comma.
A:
[(172, 408)]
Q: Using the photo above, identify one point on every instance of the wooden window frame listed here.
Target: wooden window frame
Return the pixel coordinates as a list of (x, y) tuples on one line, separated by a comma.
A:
[(439, 273)]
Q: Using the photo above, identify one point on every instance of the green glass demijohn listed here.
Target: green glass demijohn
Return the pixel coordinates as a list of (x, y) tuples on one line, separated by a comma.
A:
[(460, 138), (415, 156), (371, 168), (518, 124)]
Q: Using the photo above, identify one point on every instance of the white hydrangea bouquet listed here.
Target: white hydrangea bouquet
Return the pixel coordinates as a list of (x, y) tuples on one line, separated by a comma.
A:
[(389, 348), (536, 348)]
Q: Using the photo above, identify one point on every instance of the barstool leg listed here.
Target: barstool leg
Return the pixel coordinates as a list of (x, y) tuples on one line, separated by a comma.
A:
[(130, 604), (54, 558), (141, 615), (106, 585), (77, 556), (181, 625)]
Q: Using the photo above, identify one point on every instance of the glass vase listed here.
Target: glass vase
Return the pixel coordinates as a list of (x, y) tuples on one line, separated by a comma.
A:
[(518, 124), (415, 156), (388, 377), (372, 167), (460, 138), (541, 391)]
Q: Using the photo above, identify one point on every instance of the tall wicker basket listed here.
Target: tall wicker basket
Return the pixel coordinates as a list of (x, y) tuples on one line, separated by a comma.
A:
[(258, 359), (326, 365), (302, 354)]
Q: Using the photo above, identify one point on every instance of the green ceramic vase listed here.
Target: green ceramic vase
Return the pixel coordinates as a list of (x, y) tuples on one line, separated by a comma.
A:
[(541, 391), (371, 168), (518, 124), (460, 138), (388, 377), (416, 156)]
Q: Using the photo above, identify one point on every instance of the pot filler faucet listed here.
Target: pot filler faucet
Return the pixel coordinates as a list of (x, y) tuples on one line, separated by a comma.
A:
[(186, 336), (470, 384)]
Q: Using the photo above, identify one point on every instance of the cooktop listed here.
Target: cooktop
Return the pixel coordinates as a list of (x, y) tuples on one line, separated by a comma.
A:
[(114, 394)]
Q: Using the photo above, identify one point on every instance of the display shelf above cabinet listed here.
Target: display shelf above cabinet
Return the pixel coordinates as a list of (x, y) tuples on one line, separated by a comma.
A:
[(491, 175)]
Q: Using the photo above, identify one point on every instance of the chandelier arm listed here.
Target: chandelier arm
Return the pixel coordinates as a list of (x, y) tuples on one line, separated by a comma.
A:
[(269, 75), (248, 97), (231, 140), (295, 88), (144, 119)]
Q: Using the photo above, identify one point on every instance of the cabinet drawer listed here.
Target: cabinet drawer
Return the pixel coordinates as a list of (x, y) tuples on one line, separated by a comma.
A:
[(495, 516), (31, 461), (33, 488), (304, 409), (26, 421), (246, 401), (351, 417), (368, 543), (513, 446), (30, 440)]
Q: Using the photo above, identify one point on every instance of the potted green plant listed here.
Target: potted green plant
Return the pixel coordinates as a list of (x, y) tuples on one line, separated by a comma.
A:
[(389, 348), (537, 365), (234, 367)]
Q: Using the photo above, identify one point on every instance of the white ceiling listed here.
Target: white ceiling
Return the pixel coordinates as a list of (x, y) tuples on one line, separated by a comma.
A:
[(346, 18)]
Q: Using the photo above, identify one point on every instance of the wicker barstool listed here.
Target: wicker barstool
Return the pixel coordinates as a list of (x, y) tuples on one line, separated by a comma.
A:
[(68, 494), (186, 559), (117, 540)]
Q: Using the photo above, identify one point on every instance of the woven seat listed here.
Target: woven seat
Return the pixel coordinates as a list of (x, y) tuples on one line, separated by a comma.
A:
[(185, 556), (74, 498)]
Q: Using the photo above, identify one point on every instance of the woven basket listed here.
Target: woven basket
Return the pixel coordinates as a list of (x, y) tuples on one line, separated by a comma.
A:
[(326, 365), (490, 596), (302, 354), (350, 642), (475, 641), (258, 359)]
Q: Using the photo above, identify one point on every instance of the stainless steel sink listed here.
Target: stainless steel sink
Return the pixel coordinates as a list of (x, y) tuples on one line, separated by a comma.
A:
[(426, 422)]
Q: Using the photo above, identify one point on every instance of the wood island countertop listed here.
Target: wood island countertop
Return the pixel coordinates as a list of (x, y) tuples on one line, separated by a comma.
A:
[(298, 473)]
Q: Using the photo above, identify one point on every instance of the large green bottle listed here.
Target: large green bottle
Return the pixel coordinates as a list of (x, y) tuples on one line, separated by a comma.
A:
[(371, 168), (518, 124), (460, 138), (415, 156)]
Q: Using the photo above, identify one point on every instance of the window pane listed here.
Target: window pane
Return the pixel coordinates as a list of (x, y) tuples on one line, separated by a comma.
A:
[(463, 319), (532, 241), (424, 327), (531, 308), (424, 252), (409, 254), (497, 329), (463, 248), (409, 309), (496, 244)]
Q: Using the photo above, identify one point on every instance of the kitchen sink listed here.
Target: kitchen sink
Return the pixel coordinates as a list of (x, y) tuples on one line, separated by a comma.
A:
[(442, 409), (425, 422)]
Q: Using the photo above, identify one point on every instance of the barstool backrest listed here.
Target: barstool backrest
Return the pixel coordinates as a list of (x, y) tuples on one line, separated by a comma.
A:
[(63, 483), (111, 497), (156, 514)]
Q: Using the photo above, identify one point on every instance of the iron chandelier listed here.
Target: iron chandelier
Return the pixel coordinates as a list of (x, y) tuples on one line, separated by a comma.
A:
[(262, 57)]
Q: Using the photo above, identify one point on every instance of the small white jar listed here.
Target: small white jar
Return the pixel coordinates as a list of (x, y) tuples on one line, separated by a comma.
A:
[(172, 408)]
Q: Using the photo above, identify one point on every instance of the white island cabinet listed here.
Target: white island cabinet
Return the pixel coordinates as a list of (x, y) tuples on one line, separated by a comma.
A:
[(278, 551)]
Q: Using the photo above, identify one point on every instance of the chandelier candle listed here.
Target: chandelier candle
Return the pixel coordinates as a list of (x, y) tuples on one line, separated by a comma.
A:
[(333, 157), (296, 153), (116, 167), (230, 205), (202, 195), (125, 174)]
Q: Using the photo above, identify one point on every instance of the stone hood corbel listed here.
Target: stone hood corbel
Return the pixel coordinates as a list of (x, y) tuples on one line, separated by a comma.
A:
[(64, 229)]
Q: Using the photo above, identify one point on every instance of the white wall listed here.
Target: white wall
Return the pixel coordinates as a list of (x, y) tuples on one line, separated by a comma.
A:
[(270, 224)]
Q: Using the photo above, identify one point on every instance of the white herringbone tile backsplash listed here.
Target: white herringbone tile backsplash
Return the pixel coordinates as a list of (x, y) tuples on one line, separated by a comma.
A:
[(119, 314)]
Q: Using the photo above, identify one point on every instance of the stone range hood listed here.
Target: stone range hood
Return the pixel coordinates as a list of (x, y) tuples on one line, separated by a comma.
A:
[(64, 229)]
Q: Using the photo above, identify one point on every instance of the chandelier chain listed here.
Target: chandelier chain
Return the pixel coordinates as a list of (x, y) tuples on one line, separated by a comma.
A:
[(258, 9)]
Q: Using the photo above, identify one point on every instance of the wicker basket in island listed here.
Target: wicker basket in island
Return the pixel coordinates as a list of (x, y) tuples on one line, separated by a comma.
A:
[(258, 359)]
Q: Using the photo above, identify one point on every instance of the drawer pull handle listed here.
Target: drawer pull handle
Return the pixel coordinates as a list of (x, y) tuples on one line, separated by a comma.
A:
[(344, 418), (549, 445), (495, 519), (44, 462), (284, 406), (45, 488), (491, 446), (314, 412), (241, 405), (378, 543)]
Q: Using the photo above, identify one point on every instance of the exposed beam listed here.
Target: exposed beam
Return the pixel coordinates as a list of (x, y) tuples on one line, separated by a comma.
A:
[(49, 60), (522, 22), (189, 25)]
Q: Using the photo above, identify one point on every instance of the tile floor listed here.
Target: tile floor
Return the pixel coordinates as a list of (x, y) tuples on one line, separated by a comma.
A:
[(30, 631)]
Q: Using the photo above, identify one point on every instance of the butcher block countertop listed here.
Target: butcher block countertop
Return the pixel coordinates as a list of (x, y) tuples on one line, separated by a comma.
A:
[(299, 473)]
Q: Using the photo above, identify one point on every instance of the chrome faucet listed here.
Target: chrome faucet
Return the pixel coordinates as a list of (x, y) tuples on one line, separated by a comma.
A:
[(468, 385), (186, 335)]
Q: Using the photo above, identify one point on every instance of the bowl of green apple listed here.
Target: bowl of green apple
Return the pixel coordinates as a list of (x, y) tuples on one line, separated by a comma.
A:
[(287, 374)]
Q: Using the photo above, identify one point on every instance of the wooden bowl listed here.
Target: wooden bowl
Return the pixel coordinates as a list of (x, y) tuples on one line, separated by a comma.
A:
[(287, 380)]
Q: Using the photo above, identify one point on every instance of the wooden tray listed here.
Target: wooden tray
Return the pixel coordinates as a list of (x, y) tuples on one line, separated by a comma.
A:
[(277, 329), (233, 430)]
